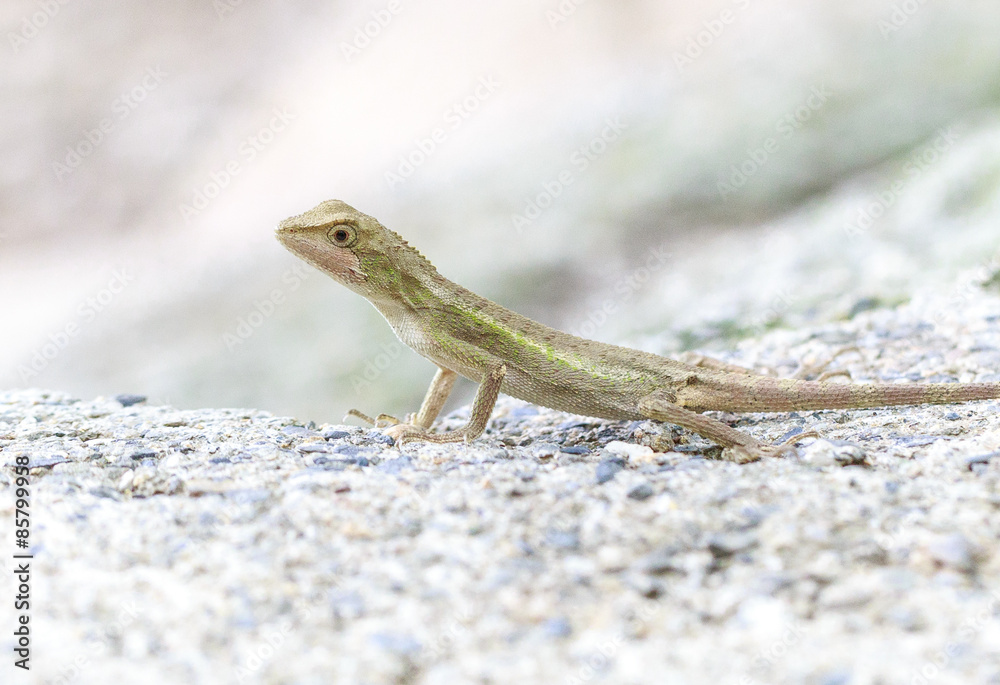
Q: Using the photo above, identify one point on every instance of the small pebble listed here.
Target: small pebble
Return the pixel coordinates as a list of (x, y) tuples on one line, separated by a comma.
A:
[(916, 440), (641, 492), (661, 561), (315, 447), (789, 435), (562, 539), (346, 450), (127, 400), (978, 459), (568, 425), (644, 585), (557, 627), (45, 462), (497, 454), (397, 465), (544, 450), (398, 643), (838, 677), (523, 412), (864, 304), (608, 468), (378, 436), (327, 464), (954, 551), (631, 451), (299, 431), (724, 545)]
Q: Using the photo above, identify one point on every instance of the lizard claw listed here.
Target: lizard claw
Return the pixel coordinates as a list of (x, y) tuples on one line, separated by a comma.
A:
[(745, 454), (404, 432), (820, 368), (359, 415), (380, 421), (407, 432)]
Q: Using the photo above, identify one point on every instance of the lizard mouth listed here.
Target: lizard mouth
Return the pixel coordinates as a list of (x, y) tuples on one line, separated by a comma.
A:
[(340, 263)]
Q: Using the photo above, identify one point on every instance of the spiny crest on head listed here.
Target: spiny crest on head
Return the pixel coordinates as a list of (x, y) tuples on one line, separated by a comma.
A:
[(395, 243), (402, 244), (330, 210)]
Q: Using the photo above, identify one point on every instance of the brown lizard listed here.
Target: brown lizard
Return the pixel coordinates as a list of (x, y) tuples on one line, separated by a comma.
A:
[(468, 335)]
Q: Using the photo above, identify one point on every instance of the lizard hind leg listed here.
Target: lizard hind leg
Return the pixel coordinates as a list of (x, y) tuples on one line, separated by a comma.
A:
[(737, 445)]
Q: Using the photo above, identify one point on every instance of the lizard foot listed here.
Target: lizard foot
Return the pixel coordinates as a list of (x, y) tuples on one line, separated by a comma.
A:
[(407, 432), (746, 454), (806, 370), (379, 421), (703, 362)]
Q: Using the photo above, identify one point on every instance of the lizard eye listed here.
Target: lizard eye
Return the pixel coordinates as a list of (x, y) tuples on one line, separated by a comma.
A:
[(342, 235)]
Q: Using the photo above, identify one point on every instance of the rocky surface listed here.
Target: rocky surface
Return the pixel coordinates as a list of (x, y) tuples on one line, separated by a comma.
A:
[(224, 546)]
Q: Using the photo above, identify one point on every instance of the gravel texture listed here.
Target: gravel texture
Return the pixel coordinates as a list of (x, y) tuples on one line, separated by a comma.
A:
[(233, 546)]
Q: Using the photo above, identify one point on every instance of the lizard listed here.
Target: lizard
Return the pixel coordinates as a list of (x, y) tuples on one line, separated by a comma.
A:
[(467, 335)]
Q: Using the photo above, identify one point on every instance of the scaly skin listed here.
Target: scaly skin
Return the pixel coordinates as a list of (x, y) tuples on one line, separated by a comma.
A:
[(468, 335)]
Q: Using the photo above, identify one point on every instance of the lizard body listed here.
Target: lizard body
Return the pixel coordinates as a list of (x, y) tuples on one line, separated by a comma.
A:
[(468, 335)]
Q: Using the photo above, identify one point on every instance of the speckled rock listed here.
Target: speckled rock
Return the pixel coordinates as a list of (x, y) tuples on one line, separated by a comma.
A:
[(218, 546)]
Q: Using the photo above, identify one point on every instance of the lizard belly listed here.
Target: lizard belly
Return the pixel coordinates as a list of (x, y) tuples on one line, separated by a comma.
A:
[(569, 397)]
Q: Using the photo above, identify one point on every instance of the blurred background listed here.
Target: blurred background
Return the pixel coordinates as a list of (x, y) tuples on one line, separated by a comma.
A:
[(657, 173)]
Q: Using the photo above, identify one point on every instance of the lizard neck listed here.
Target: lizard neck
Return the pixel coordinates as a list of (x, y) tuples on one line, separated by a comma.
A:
[(411, 297)]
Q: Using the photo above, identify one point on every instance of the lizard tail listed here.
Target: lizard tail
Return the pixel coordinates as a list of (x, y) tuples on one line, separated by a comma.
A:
[(772, 394), (864, 395)]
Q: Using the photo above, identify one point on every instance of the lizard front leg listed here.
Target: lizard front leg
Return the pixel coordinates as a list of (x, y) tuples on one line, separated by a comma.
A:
[(437, 395), (482, 408), (737, 445)]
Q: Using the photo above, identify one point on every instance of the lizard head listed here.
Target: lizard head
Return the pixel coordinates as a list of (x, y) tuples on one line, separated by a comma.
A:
[(356, 250)]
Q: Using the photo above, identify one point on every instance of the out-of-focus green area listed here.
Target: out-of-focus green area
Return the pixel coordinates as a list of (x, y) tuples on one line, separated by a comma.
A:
[(612, 169)]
